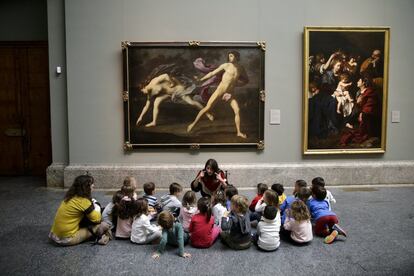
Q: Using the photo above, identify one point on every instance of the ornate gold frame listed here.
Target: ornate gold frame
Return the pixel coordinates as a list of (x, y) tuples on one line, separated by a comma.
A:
[(127, 95), (377, 150)]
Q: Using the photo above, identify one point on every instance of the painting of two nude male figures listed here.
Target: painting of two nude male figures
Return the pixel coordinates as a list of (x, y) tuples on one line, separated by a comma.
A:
[(184, 95), (345, 90)]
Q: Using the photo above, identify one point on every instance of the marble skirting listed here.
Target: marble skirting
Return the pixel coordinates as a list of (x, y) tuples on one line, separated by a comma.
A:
[(242, 175), (55, 175)]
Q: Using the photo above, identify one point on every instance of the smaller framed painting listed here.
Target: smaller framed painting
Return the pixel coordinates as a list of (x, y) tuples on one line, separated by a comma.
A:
[(345, 89)]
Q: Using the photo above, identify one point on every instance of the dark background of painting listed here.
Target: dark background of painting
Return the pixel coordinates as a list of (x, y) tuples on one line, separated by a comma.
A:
[(174, 118), (359, 43)]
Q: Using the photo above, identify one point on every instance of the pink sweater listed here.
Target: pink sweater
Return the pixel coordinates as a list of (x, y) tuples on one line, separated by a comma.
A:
[(301, 231), (123, 228), (186, 215)]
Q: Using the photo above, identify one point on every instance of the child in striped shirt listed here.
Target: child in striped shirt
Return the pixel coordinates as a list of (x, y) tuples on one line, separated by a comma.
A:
[(154, 206)]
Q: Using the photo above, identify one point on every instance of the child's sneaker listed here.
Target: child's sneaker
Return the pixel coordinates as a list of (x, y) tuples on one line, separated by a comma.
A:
[(339, 229), (330, 238)]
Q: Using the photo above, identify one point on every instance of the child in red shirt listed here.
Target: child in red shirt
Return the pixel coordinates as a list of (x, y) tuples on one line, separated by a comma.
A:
[(261, 188), (203, 231)]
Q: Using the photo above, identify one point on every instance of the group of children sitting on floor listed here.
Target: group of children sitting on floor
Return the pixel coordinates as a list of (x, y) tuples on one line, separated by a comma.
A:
[(227, 214)]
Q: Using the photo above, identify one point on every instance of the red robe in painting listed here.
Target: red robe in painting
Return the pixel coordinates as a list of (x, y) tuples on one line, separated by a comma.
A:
[(369, 105)]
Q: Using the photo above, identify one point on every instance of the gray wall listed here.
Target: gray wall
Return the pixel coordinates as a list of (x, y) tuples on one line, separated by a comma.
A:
[(95, 28), (23, 20)]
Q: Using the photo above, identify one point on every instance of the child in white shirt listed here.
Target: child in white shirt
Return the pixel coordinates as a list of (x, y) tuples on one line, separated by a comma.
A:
[(268, 229), (142, 231), (218, 200)]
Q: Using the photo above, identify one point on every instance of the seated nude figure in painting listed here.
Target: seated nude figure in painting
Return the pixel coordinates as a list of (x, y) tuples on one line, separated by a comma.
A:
[(166, 83), (233, 75)]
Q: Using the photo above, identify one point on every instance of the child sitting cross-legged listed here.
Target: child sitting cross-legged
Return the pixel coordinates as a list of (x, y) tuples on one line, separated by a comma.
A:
[(261, 188), (270, 198), (280, 190), (203, 232), (188, 210), (143, 231), (298, 222), (172, 233), (109, 215), (326, 221), (153, 203), (235, 226), (125, 210), (267, 235), (171, 201), (290, 199), (230, 191), (218, 200)]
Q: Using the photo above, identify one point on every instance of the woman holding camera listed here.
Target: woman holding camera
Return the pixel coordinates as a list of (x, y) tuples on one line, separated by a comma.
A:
[(209, 180)]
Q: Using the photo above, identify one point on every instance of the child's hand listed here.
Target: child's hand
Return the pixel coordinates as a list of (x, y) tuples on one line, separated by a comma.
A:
[(156, 256), (186, 255), (226, 214)]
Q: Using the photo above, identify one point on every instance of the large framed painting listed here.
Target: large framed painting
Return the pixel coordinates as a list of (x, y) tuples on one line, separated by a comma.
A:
[(345, 90), (193, 94)]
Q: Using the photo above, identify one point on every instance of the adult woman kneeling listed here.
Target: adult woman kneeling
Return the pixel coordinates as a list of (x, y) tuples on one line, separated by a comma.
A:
[(78, 203), (209, 180)]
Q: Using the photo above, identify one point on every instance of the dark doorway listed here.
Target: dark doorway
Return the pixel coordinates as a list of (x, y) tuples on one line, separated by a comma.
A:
[(25, 139)]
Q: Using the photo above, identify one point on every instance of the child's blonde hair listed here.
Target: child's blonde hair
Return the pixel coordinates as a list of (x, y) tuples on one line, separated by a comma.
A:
[(241, 203), (299, 211), (129, 186)]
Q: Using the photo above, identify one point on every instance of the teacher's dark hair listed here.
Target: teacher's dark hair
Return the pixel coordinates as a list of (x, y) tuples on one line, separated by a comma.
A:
[(213, 164)]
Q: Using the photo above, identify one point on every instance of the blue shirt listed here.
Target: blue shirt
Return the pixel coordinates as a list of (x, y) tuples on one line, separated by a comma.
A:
[(319, 209), (228, 205), (286, 205)]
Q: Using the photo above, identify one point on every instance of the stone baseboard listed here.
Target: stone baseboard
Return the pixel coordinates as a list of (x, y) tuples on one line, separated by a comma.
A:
[(248, 175), (55, 175)]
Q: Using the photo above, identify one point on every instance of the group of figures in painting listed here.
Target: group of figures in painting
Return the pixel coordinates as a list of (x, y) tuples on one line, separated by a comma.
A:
[(345, 97), (167, 81)]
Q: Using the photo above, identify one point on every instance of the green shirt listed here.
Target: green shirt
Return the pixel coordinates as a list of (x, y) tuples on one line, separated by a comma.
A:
[(173, 236)]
